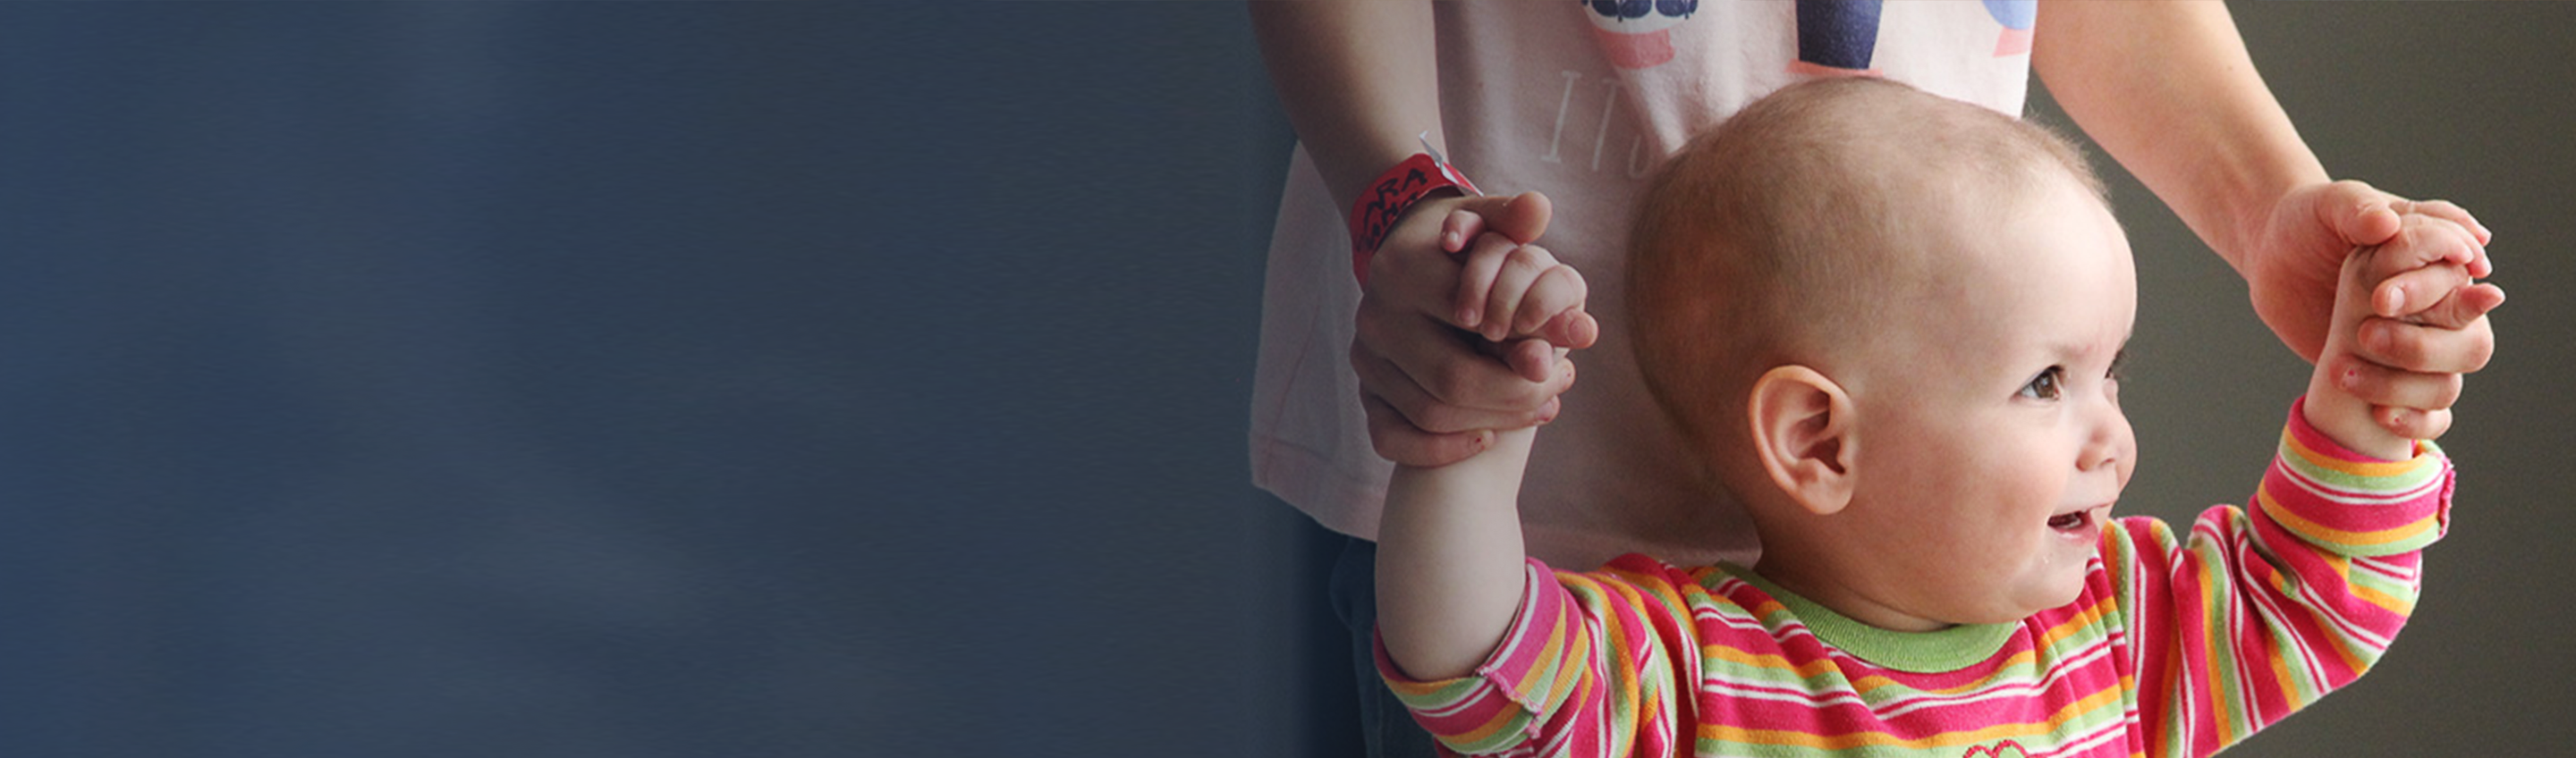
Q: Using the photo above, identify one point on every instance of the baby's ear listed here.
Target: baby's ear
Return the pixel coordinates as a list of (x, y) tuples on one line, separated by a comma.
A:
[(1802, 424)]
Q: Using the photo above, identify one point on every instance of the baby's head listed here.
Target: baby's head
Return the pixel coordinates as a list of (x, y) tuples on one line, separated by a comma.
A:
[(1886, 321)]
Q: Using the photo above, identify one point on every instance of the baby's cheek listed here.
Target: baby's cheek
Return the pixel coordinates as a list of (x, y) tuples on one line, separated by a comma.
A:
[(2124, 442)]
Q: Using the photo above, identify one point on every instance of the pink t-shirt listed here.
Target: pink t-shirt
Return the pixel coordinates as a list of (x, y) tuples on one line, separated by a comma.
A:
[(1580, 100)]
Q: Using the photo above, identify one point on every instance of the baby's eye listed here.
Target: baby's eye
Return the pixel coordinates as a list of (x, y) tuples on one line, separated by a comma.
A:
[(2046, 386)]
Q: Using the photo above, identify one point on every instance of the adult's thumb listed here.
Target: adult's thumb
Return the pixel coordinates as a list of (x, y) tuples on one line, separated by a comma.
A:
[(2361, 215), (1522, 217)]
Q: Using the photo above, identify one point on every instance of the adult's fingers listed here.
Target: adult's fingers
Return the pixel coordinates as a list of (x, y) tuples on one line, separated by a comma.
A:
[(1523, 217), (1398, 440), (2359, 213), (1404, 278), (1445, 365), (1381, 380), (2426, 348)]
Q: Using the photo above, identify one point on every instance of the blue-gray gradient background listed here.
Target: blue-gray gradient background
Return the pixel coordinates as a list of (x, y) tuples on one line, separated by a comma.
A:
[(638, 380)]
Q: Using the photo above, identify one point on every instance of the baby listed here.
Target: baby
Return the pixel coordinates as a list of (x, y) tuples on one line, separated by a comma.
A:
[(1890, 325)]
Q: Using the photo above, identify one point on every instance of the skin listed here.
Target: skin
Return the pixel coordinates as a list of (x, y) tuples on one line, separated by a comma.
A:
[(1987, 417), (2168, 89), (1358, 86), (1979, 457), (2165, 87), (1960, 473)]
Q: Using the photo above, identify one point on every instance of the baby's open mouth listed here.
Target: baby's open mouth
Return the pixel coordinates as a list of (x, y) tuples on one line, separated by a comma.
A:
[(2067, 522)]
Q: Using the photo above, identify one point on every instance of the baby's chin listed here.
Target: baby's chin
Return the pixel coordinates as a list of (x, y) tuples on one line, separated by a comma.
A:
[(2017, 606), (2059, 595)]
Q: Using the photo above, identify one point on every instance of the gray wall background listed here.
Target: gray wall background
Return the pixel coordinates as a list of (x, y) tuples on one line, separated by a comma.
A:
[(793, 380), (2466, 101)]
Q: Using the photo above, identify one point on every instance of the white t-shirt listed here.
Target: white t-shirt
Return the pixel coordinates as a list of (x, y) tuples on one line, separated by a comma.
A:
[(1580, 100)]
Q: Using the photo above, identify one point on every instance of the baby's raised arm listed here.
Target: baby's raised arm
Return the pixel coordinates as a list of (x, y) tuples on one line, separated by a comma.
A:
[(2432, 288), (1449, 559)]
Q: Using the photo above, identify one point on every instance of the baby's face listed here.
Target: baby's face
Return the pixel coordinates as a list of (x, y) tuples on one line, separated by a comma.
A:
[(1994, 445)]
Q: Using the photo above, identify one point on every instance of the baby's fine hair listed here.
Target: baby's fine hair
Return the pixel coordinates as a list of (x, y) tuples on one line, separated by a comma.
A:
[(1780, 229)]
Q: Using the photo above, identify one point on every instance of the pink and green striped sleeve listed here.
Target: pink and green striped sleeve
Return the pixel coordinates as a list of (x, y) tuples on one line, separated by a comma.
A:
[(2260, 611), (1586, 669)]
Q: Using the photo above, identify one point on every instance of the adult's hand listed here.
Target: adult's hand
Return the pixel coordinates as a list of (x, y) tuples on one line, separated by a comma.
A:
[(1435, 392), (2290, 267), (2426, 328), (2169, 91)]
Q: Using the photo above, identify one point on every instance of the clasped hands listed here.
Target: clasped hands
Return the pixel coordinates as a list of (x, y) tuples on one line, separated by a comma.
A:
[(1464, 325)]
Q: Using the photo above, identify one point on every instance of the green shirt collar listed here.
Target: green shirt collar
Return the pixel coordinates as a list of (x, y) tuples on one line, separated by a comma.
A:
[(1913, 652)]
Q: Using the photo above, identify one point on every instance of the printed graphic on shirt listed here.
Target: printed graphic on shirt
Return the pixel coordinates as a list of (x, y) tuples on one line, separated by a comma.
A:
[(2004, 749), (1583, 131), (2017, 16), (1837, 37), (1637, 34)]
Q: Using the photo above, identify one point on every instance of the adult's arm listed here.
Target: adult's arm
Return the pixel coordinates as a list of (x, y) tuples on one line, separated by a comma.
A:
[(1357, 79), (2168, 89)]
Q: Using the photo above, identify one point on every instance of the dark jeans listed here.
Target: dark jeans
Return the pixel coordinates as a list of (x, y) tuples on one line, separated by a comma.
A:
[(1387, 726)]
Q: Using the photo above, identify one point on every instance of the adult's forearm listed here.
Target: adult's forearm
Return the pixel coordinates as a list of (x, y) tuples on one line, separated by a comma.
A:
[(1357, 80), (2168, 90)]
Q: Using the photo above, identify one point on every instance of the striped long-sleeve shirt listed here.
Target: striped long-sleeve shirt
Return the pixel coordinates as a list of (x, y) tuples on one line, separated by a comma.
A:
[(2179, 645)]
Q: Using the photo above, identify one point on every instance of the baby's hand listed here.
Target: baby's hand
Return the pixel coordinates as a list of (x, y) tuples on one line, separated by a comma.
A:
[(1523, 302), (2383, 289)]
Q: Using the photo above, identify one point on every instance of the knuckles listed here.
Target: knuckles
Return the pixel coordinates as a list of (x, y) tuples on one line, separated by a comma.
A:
[(1449, 381)]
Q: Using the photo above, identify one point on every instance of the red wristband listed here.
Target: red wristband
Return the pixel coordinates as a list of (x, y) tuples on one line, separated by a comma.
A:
[(1374, 215)]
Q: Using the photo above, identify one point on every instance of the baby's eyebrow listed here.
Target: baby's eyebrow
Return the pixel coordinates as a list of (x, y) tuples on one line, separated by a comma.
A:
[(2072, 353)]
